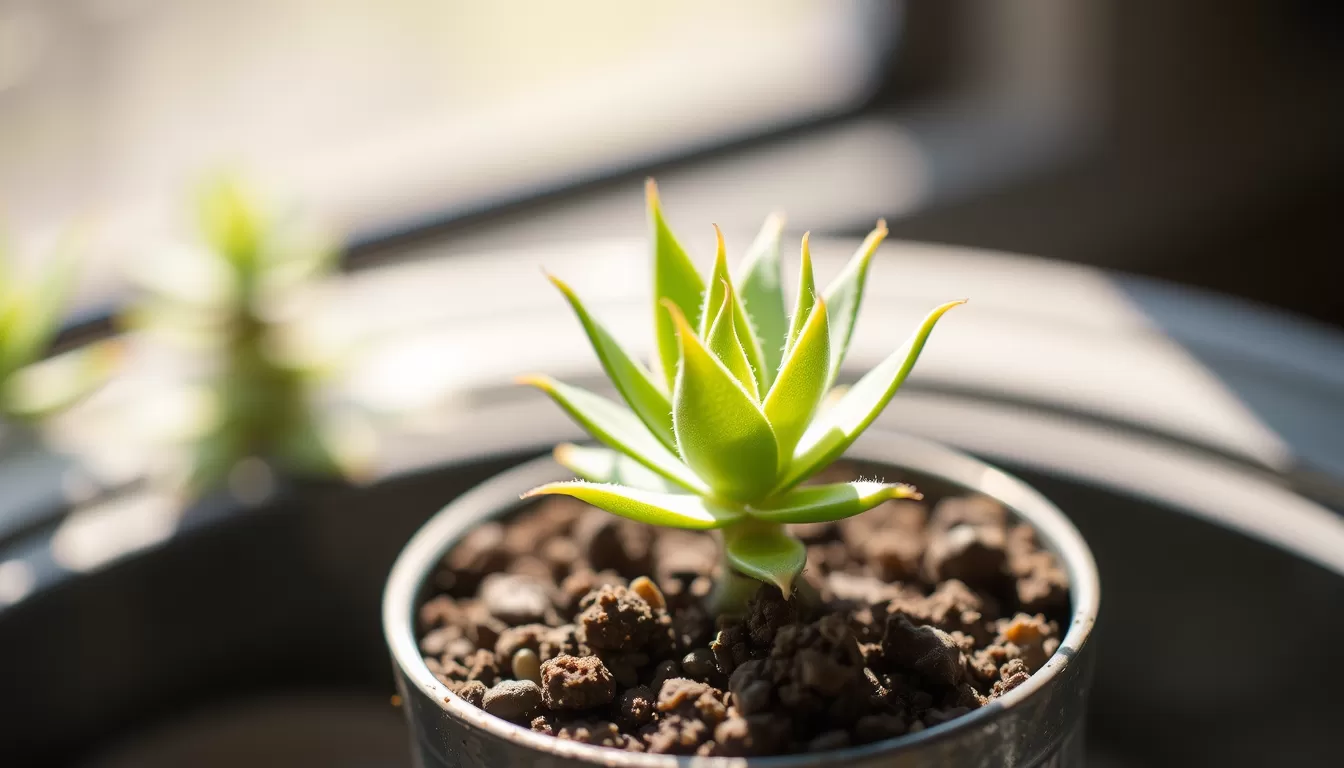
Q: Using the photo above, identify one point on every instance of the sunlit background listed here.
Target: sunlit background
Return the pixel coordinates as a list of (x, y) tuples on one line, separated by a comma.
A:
[(417, 162)]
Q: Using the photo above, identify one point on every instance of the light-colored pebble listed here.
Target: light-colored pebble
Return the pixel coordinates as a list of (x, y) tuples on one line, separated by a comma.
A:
[(526, 665), (646, 589)]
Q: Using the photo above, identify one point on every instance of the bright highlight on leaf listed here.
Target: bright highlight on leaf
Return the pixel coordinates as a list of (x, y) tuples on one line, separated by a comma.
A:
[(743, 405), (674, 279), (721, 292), (724, 342), (656, 508), (801, 382), (844, 295), (806, 296)]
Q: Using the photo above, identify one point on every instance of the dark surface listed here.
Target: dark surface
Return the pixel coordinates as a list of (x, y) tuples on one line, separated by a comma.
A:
[(1202, 627), (281, 598)]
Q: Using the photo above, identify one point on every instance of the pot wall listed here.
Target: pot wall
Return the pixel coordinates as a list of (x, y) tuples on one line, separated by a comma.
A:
[(1038, 724)]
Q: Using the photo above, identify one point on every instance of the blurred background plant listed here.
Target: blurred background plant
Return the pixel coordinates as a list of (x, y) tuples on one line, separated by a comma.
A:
[(33, 299), (236, 305)]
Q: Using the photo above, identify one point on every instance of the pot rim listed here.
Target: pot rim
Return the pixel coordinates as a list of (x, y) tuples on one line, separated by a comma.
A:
[(426, 548)]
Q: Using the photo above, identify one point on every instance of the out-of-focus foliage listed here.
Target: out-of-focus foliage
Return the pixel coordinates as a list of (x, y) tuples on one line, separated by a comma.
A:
[(32, 306), (235, 303)]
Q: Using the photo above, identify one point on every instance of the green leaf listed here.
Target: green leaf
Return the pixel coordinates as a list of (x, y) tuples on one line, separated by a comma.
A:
[(727, 347), (37, 311), (762, 294), (721, 285), (674, 279), (721, 431), (51, 385), (824, 503), (603, 465), (836, 430), (845, 294), (672, 510), (637, 386), (231, 224), (801, 384), (807, 294), (765, 552), (619, 428)]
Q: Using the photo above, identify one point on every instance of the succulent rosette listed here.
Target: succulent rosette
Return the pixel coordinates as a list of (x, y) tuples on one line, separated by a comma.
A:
[(741, 405)]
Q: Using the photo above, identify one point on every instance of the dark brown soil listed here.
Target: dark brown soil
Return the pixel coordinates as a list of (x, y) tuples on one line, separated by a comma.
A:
[(926, 612)]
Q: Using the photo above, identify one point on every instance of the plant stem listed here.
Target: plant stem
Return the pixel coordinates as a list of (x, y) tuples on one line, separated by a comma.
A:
[(731, 592)]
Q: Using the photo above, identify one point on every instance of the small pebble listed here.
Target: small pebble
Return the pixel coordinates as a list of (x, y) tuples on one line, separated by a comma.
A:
[(526, 665), (527, 636), (973, 554), (645, 588), (512, 699), (924, 649), (754, 697), (666, 670), (699, 664), (514, 598)]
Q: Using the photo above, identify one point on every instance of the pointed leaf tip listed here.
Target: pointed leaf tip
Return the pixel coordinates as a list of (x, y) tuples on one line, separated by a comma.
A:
[(801, 383), (675, 278), (761, 288), (837, 428), (845, 295), (637, 386), (807, 293), (671, 510), (726, 345)]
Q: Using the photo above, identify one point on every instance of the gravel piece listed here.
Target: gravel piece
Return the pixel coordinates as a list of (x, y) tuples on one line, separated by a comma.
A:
[(512, 699), (516, 598), (525, 665)]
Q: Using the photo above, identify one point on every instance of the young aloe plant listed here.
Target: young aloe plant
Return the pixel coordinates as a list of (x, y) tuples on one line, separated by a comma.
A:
[(729, 424), (226, 300)]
